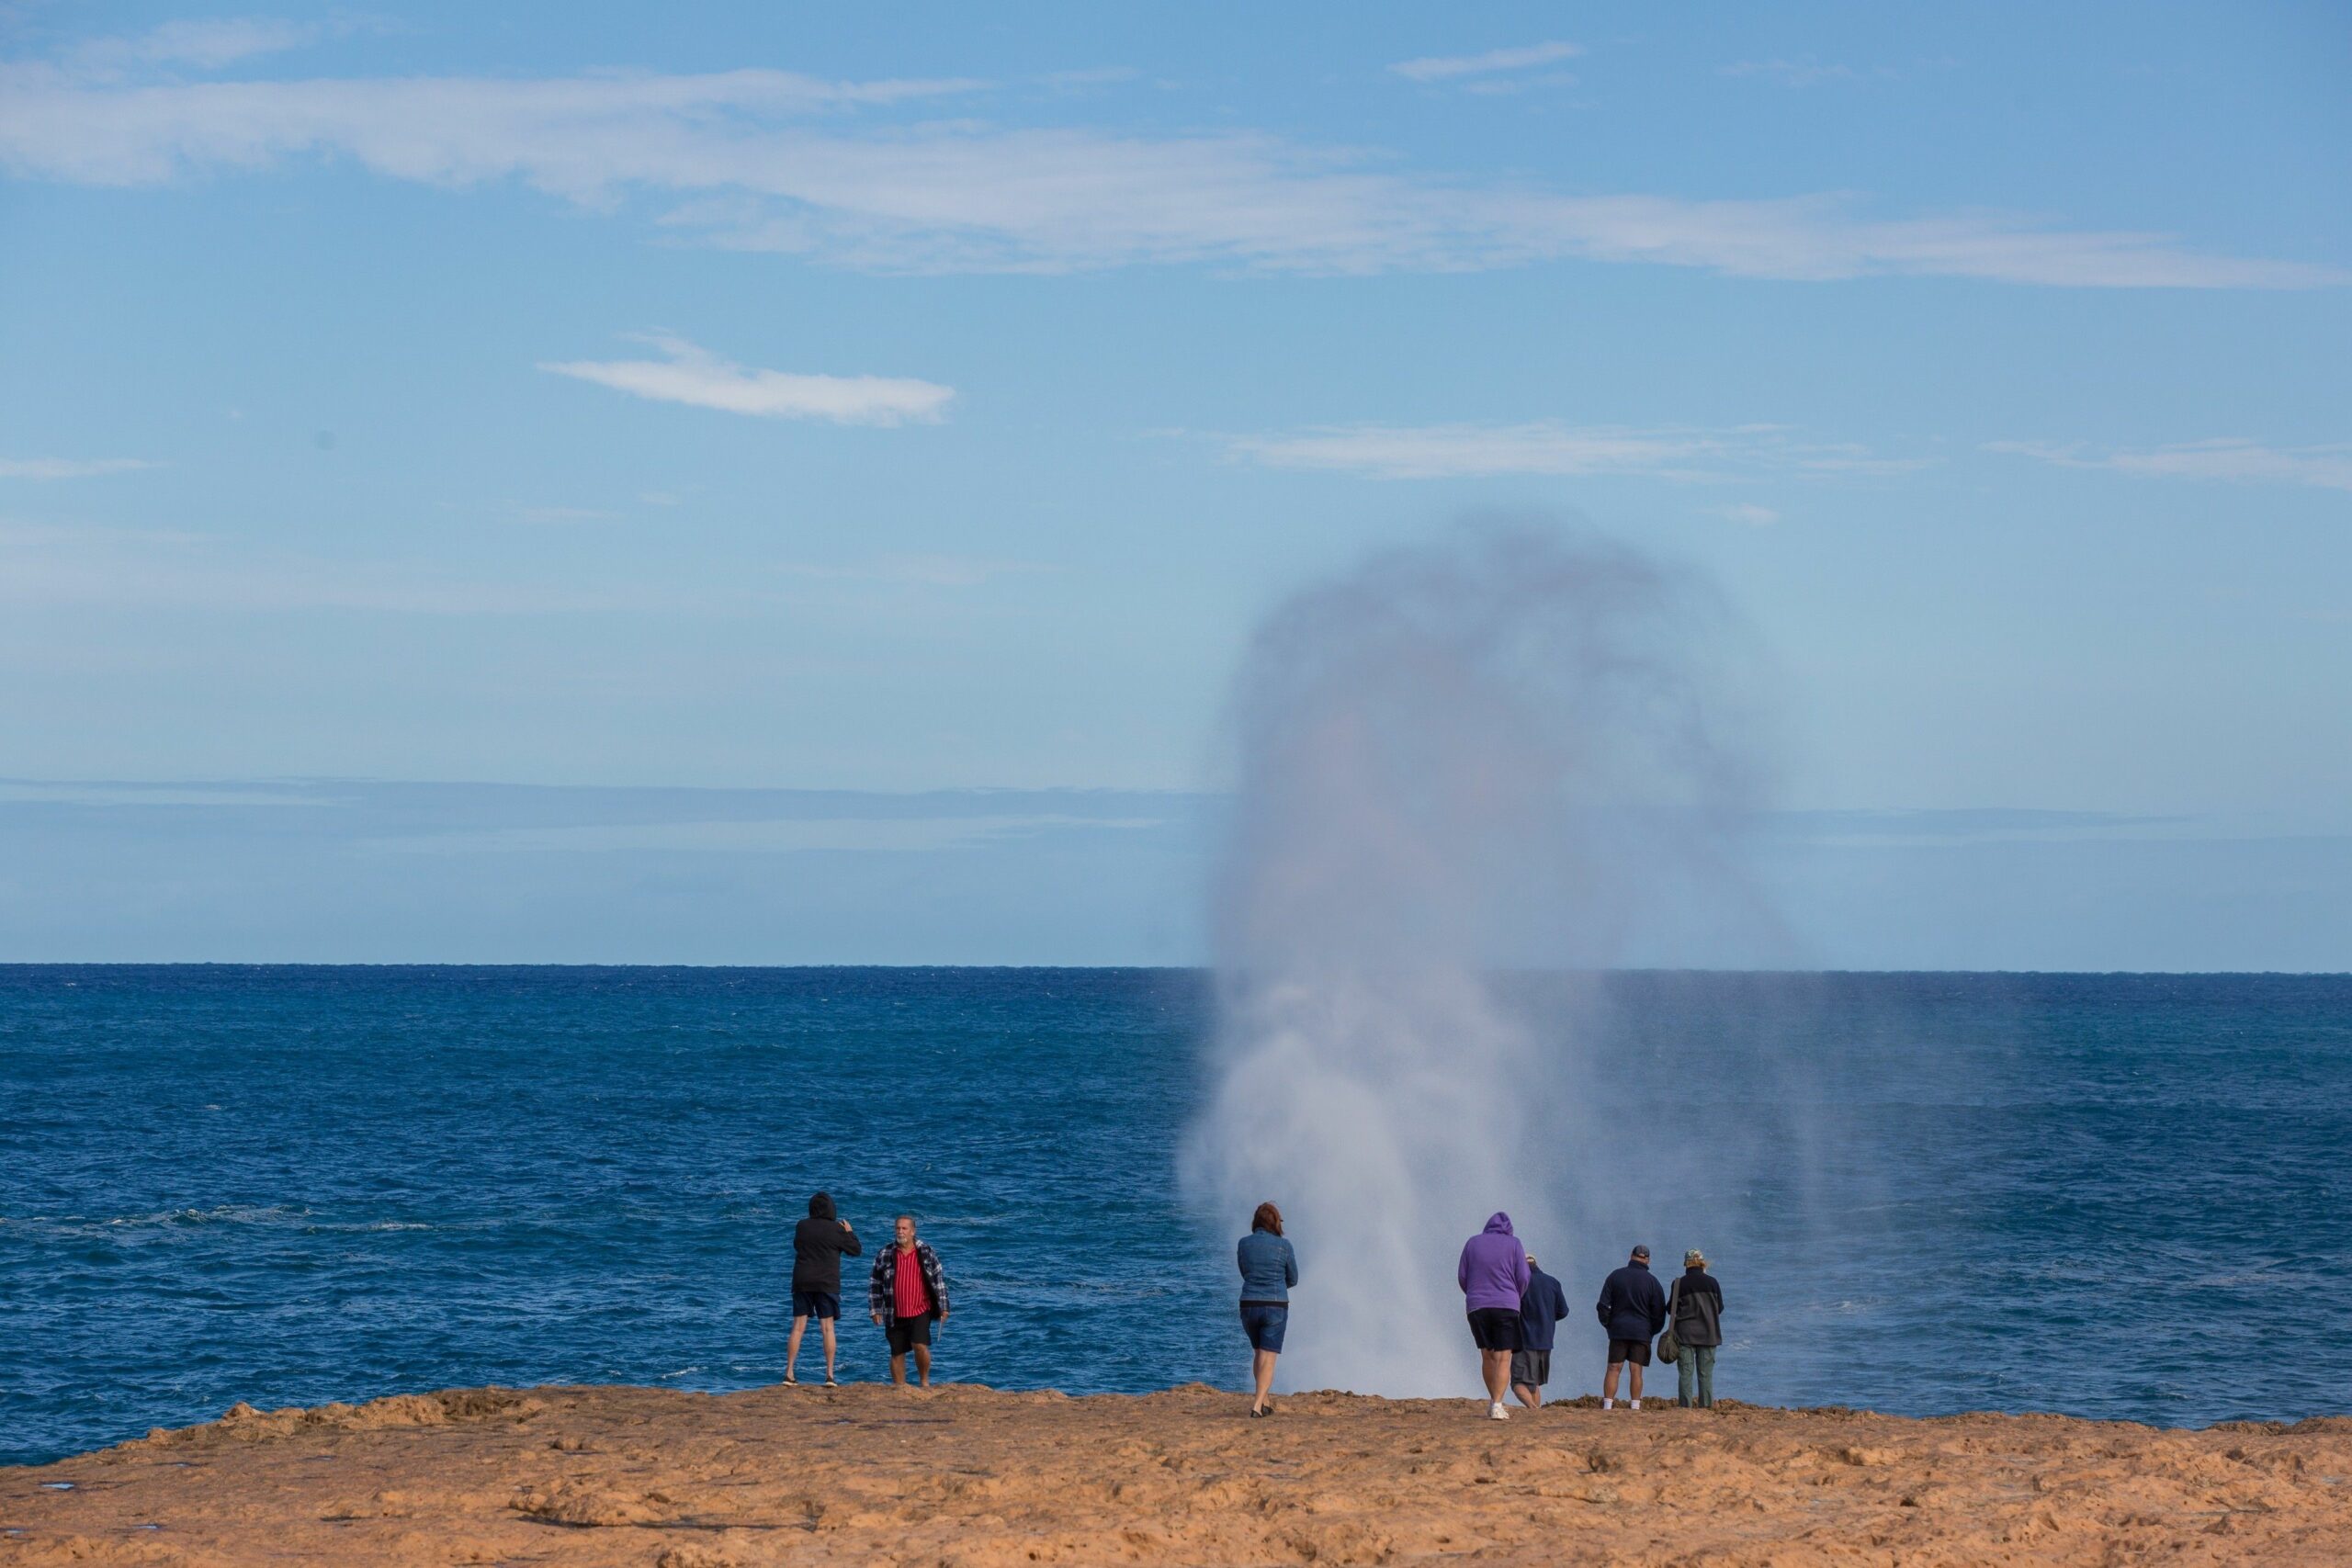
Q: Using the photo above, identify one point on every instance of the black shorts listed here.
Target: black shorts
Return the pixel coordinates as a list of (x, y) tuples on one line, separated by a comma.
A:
[(1495, 1328), (1634, 1350), (906, 1333), (817, 1304)]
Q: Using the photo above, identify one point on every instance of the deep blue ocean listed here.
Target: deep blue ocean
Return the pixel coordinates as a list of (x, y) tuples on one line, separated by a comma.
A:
[(2110, 1195)]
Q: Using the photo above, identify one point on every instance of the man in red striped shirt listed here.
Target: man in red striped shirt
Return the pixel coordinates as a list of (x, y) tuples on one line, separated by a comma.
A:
[(905, 1295)]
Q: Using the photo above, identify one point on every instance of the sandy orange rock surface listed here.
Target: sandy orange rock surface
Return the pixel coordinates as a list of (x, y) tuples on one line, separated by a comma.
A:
[(864, 1474)]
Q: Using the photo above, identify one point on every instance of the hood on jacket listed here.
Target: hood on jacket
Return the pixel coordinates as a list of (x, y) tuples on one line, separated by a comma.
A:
[(821, 1207), (1498, 1223)]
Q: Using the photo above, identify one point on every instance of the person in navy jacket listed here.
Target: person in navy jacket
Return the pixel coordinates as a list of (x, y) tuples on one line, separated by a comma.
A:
[(1632, 1309)]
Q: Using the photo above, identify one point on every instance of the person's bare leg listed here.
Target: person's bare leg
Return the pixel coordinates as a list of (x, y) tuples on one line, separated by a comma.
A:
[(827, 1323), (1261, 1365), (899, 1370), (792, 1346), (1528, 1394), (1496, 1365), (1635, 1370), (922, 1364), (1609, 1383)]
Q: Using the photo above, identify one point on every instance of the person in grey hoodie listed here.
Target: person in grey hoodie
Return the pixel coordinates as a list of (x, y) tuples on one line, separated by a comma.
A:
[(1540, 1310), (1269, 1268), (1493, 1275)]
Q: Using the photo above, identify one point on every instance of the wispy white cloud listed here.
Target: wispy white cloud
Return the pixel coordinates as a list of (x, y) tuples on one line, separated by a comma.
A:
[(1447, 67), (1748, 511), (17, 792), (2246, 462), (577, 136), (1092, 76), (1551, 447), (68, 468), (1791, 73), (202, 44), (48, 567), (561, 513), (919, 571), (719, 150), (45, 567), (891, 834), (1472, 451), (695, 377)]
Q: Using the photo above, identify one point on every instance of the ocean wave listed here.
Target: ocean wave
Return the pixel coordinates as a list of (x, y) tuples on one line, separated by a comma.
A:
[(263, 1216)]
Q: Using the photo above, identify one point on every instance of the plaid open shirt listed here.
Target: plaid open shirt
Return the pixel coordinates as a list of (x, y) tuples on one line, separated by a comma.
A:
[(881, 1290)]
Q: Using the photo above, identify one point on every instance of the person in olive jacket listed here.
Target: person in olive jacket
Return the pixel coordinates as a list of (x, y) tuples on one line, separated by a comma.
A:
[(818, 1245), (1696, 1304)]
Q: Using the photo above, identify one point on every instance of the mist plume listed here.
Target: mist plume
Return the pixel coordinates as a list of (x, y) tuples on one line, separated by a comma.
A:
[(1516, 753)]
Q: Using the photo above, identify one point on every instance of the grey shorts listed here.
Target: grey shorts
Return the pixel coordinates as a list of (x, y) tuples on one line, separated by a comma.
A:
[(1532, 1368)]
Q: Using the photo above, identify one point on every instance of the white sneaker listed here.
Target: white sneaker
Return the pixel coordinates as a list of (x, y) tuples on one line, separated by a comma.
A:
[(1609, 1404), (1637, 1405), (1497, 1413)]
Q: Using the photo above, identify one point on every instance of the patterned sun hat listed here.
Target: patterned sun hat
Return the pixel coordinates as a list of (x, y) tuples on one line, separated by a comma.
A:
[(1695, 1258)]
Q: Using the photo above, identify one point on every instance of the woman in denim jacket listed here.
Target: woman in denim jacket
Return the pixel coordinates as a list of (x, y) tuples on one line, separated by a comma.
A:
[(1269, 1268)]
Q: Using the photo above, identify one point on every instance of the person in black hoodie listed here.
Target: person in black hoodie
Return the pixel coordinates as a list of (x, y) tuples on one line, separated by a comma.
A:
[(1632, 1309), (818, 1245)]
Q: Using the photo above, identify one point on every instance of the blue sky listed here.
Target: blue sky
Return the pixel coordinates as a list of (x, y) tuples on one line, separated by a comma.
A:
[(764, 399)]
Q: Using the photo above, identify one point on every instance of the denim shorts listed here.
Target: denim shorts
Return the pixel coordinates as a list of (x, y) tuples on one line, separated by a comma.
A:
[(1264, 1323), (816, 1303)]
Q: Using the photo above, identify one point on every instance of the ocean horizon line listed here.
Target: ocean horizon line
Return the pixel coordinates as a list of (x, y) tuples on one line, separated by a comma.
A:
[(1201, 969)]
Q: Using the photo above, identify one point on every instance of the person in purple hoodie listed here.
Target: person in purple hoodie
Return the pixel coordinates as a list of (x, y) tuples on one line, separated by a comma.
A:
[(1493, 1276)]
